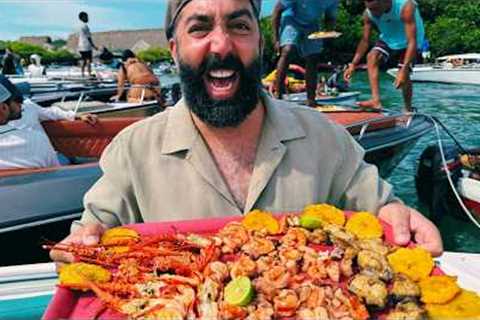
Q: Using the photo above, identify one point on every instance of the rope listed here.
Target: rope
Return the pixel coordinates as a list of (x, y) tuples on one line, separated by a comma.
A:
[(436, 124)]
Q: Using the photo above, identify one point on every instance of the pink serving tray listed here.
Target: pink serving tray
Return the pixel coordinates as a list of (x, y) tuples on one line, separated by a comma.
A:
[(70, 304)]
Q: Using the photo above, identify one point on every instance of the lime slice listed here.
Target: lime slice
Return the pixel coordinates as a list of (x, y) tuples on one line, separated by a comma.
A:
[(239, 291), (309, 221)]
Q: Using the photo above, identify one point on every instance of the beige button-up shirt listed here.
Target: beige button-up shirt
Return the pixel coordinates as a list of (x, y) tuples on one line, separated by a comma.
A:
[(161, 169)]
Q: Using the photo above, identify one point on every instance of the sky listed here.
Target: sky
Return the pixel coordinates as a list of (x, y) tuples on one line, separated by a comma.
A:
[(59, 18)]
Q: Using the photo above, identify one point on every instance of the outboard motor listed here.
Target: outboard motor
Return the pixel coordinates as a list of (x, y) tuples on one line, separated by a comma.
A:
[(431, 182)]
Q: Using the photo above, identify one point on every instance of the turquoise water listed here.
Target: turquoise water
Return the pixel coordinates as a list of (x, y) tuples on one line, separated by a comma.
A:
[(24, 309), (458, 107)]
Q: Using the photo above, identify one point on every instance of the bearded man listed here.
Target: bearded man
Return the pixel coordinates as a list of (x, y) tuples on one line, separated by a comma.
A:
[(227, 147)]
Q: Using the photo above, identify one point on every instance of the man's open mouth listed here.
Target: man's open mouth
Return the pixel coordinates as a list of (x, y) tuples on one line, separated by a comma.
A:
[(221, 83)]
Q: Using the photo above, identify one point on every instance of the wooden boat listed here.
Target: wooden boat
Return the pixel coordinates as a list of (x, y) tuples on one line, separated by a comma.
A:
[(40, 204)]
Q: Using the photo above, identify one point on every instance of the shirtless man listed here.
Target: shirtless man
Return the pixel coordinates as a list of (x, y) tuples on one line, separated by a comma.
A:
[(401, 32)]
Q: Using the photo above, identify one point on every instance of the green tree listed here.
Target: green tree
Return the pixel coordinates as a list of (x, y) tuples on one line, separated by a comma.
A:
[(154, 55), (58, 43), (25, 50)]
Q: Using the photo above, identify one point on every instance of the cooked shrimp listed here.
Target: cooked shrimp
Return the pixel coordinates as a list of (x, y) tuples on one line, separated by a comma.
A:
[(265, 263), (311, 296), (289, 258), (346, 267), (317, 270), (217, 271), (208, 293), (318, 313), (310, 257), (273, 280), (233, 236), (262, 311), (244, 266), (228, 312), (295, 237), (258, 246), (285, 303), (333, 270)]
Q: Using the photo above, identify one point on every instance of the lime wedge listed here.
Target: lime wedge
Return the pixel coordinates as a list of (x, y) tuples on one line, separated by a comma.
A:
[(239, 291), (309, 221)]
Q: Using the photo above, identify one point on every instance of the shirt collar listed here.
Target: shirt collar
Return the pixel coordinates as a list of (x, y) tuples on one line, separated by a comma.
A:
[(181, 133)]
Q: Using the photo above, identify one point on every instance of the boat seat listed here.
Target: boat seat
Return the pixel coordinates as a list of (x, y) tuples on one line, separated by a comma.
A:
[(77, 139)]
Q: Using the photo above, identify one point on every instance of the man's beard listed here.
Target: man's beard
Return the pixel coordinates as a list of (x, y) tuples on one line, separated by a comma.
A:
[(221, 113)]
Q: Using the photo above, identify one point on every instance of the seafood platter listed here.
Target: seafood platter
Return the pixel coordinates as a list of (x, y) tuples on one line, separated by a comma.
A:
[(324, 35), (321, 263)]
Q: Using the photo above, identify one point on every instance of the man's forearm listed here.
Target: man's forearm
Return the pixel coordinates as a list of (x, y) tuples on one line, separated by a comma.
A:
[(360, 52), (277, 12), (410, 55), (275, 28)]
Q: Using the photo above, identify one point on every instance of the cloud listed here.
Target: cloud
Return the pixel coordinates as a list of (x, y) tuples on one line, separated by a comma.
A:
[(59, 18)]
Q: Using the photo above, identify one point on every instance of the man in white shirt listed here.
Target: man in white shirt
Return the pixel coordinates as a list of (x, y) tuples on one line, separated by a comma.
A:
[(23, 141), (35, 68), (85, 43), (7, 110)]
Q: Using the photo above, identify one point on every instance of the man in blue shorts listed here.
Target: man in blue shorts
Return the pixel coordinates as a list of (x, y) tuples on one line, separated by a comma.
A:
[(293, 21), (401, 33)]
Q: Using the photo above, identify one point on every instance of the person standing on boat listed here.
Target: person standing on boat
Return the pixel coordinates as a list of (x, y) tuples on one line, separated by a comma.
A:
[(145, 85), (35, 68), (85, 44), (8, 63), (401, 35), (227, 147), (23, 141), (292, 22)]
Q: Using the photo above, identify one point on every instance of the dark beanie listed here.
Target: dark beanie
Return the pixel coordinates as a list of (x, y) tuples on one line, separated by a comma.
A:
[(176, 6)]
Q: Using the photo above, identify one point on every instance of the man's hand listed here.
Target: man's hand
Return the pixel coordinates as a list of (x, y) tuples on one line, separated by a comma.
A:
[(347, 74), (407, 223), (402, 77), (89, 118), (89, 234)]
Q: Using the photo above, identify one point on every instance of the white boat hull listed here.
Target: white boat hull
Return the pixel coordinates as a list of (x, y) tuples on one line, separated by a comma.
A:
[(443, 75), (343, 98), (469, 189)]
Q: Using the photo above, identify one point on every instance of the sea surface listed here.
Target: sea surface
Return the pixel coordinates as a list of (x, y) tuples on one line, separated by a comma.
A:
[(458, 107)]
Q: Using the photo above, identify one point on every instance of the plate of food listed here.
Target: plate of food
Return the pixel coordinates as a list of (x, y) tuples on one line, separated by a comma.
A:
[(321, 263), (324, 35)]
